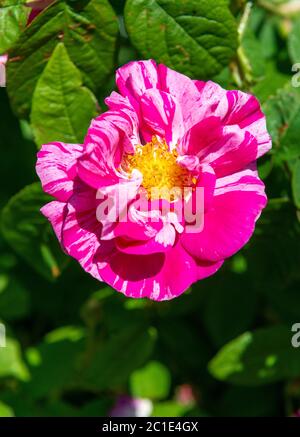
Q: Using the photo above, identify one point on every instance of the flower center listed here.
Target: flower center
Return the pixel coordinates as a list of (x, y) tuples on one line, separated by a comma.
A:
[(163, 177)]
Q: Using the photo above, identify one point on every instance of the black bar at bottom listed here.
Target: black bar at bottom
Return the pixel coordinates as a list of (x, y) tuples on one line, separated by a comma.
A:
[(134, 426)]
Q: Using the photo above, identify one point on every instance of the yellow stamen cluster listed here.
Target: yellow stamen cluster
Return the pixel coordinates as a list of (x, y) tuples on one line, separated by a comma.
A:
[(163, 177)]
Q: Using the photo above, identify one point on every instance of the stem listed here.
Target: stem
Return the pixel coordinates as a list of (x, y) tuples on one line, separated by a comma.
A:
[(240, 68), (244, 20), (235, 71)]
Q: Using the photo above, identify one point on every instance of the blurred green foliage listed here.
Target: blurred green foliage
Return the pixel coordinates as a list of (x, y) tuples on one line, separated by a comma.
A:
[(73, 344)]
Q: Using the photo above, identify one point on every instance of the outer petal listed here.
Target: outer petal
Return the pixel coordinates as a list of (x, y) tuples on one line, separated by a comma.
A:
[(3, 59), (81, 231), (244, 110), (235, 150), (55, 212), (237, 111), (159, 276), (229, 223), (226, 148), (56, 167)]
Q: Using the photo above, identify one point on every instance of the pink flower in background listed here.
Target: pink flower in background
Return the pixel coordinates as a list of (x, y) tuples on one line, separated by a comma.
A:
[(127, 406), (3, 60), (161, 130), (36, 8), (185, 395)]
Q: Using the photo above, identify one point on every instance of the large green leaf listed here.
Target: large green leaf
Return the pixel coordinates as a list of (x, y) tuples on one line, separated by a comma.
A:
[(14, 298), (294, 42), (296, 182), (118, 356), (270, 84), (11, 363), (275, 248), (89, 34), (283, 119), (240, 401), (268, 36), (184, 348), (290, 139), (5, 410), (194, 37), (170, 409), (230, 307), (152, 381), (13, 19), (257, 358), (30, 234), (61, 108), (53, 364), (251, 56)]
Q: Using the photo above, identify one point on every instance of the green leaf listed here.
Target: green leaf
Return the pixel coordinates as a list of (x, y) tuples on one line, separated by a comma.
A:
[(249, 402), (230, 307), (283, 119), (188, 356), (61, 108), (53, 364), (89, 34), (257, 358), (296, 183), (29, 233), (14, 298), (294, 42), (117, 314), (11, 363), (152, 381), (275, 248), (284, 300), (170, 409), (95, 408), (251, 56), (13, 19), (268, 37), (119, 356), (22, 406), (190, 36), (290, 139), (5, 410), (271, 83)]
